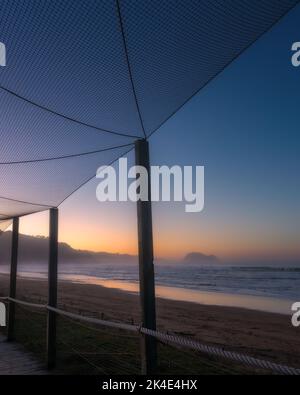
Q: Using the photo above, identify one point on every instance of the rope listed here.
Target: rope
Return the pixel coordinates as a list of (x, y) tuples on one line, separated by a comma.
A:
[(134, 91), (216, 351), (94, 329), (127, 327), (221, 71), (65, 198), (91, 178), (65, 116), (4, 299), (28, 304), (25, 202), (129, 67), (66, 156), (173, 340), (24, 214)]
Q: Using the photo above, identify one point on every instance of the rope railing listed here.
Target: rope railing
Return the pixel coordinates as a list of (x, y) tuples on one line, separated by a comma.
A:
[(219, 352), (111, 324), (21, 302), (173, 340)]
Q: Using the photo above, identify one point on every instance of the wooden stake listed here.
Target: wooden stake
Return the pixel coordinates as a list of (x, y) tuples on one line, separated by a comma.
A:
[(146, 267), (13, 279), (52, 288)]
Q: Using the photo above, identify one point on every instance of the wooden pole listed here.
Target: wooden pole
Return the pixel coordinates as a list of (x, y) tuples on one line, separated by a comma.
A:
[(13, 279), (52, 288), (146, 267)]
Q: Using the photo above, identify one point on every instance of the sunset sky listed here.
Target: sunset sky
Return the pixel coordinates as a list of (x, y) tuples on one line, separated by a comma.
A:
[(244, 128)]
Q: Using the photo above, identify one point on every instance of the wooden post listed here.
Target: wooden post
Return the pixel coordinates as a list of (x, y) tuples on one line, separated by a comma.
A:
[(13, 279), (146, 267), (52, 288)]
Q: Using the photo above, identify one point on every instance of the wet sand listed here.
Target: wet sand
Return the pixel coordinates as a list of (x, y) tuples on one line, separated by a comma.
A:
[(266, 304), (260, 334)]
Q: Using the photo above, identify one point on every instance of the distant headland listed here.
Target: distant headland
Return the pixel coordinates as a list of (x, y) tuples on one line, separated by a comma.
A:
[(34, 249), (198, 257)]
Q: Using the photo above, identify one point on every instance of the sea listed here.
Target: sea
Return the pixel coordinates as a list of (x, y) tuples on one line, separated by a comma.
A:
[(269, 287)]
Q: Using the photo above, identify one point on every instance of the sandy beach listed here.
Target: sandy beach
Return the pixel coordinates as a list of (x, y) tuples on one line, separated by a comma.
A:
[(257, 333)]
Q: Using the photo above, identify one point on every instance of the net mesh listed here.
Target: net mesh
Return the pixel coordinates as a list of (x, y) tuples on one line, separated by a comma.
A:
[(85, 79), (4, 224), (177, 47)]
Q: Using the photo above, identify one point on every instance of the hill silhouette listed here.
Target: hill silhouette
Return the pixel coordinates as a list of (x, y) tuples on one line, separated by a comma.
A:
[(34, 249), (198, 257)]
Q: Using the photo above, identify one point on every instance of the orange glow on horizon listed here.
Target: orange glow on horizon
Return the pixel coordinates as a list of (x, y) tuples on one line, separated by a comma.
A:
[(169, 242)]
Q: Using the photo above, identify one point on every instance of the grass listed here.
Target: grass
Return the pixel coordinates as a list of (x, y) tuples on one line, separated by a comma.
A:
[(84, 349)]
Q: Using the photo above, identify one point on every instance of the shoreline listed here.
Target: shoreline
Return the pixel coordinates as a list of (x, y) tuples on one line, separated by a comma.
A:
[(255, 333), (267, 304), (208, 298)]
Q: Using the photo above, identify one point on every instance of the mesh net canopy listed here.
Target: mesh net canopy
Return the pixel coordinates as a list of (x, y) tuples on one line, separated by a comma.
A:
[(85, 79)]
